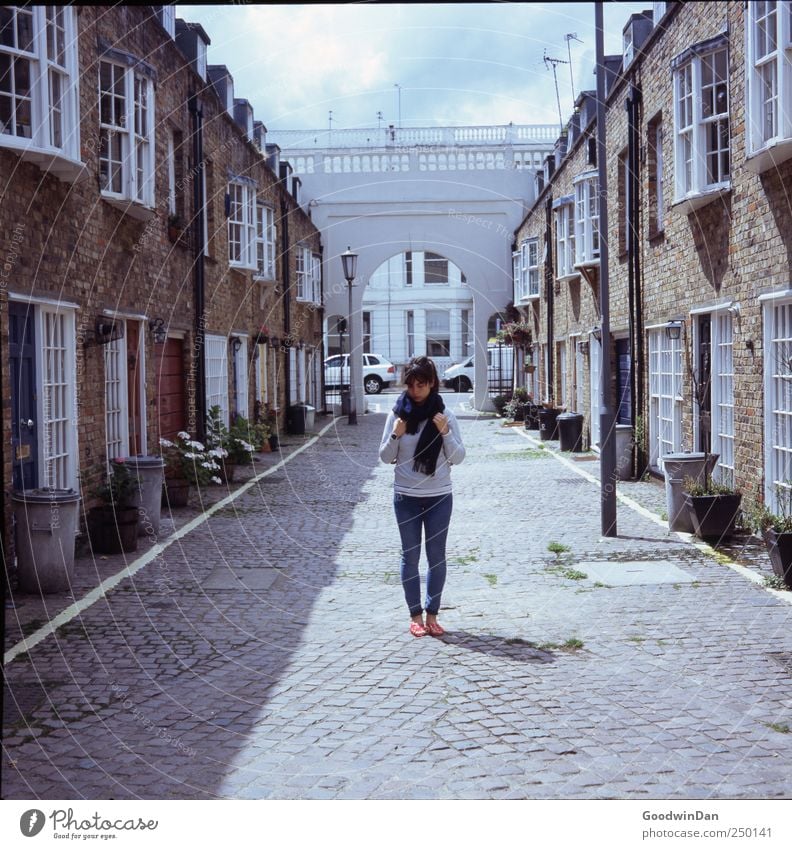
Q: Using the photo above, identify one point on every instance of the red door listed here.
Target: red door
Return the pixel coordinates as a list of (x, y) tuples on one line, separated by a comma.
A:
[(171, 408)]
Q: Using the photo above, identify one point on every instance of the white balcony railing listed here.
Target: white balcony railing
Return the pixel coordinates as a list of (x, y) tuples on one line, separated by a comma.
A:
[(414, 137)]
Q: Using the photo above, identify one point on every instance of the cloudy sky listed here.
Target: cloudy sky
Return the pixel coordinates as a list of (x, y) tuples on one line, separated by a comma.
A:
[(435, 64)]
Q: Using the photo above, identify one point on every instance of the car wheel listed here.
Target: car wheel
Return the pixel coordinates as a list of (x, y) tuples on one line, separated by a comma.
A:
[(373, 385), (463, 385)]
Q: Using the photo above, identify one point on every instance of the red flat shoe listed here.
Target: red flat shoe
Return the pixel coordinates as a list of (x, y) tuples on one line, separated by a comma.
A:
[(417, 629), (434, 629)]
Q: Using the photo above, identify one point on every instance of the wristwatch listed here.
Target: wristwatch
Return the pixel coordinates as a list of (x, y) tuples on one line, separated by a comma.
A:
[(393, 436)]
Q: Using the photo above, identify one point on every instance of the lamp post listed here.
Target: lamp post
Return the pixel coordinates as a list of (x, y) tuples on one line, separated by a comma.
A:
[(349, 263)]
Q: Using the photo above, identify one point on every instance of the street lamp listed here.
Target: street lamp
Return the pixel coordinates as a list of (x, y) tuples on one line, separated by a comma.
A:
[(349, 263)]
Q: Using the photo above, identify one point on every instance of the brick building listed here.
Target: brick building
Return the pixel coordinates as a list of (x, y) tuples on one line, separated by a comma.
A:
[(155, 260), (699, 165)]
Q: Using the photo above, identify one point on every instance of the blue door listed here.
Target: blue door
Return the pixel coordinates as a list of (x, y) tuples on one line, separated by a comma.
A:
[(24, 430), (624, 382)]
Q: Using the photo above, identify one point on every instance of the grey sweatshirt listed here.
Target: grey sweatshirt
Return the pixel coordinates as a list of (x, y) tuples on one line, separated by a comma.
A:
[(402, 452)]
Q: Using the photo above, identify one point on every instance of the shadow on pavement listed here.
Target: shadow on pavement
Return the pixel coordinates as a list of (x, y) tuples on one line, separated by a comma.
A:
[(158, 689), (515, 649)]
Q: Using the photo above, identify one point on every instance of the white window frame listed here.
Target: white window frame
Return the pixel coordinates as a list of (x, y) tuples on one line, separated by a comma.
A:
[(54, 139), (516, 276), (565, 240), (595, 365), (302, 376), (241, 376), (242, 225), (409, 318), (722, 394), (262, 373), (587, 247), (768, 146), (171, 161), (316, 278), (265, 242), (694, 131), (778, 397), (665, 395), (432, 335), (116, 396), (216, 353), (129, 115), (303, 270), (56, 380)]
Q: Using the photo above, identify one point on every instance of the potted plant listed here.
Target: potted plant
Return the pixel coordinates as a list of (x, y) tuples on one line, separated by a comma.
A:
[(187, 463), (713, 507), (113, 523), (520, 402), (270, 417), (260, 434), (175, 227), (230, 447), (237, 442), (776, 531)]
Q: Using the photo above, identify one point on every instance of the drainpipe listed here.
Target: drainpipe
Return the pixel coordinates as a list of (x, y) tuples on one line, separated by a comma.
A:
[(549, 294), (285, 254), (632, 105), (199, 211), (549, 273), (5, 564)]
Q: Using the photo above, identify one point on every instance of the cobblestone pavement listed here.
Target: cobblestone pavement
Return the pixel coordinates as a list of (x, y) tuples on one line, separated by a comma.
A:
[(265, 654)]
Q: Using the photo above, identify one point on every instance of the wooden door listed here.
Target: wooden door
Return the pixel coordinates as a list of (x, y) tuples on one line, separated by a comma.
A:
[(170, 393)]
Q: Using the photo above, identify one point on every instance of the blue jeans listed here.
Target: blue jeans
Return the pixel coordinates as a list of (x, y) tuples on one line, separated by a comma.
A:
[(431, 515)]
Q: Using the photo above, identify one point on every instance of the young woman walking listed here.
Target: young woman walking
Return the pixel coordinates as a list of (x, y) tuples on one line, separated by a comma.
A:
[(422, 439)]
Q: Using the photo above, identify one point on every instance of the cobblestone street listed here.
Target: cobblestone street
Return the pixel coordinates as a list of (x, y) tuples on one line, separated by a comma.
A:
[(265, 652)]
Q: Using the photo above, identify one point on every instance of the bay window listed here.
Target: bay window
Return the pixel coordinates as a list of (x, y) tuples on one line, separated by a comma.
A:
[(242, 224), (587, 248), (265, 242), (126, 134), (769, 82), (702, 156), (565, 237), (39, 95)]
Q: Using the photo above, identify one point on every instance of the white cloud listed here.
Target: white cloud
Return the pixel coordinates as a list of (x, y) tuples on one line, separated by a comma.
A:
[(455, 63)]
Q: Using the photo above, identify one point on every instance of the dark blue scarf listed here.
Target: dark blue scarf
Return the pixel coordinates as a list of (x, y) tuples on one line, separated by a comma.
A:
[(430, 442)]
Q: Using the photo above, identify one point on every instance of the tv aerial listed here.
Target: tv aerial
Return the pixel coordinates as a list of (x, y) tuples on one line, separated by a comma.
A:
[(550, 62)]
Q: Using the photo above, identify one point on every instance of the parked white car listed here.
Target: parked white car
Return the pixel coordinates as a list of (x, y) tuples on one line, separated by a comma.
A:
[(500, 371), (378, 373)]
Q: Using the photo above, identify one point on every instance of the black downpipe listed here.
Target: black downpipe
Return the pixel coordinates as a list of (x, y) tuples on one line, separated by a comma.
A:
[(632, 105), (4, 564), (199, 211), (549, 274), (285, 257)]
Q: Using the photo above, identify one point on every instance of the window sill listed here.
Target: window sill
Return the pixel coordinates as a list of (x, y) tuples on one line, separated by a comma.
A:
[(568, 278), (236, 266), (772, 154), (264, 278), (134, 209), (53, 162), (588, 263), (528, 299), (696, 201)]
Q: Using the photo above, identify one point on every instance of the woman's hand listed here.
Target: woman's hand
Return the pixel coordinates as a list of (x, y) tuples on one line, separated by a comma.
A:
[(399, 427), (441, 423)]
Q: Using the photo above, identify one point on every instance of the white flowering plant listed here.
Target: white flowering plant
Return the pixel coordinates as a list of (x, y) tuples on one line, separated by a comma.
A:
[(189, 459)]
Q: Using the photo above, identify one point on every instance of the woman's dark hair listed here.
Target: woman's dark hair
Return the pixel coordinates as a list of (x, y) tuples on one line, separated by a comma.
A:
[(421, 369)]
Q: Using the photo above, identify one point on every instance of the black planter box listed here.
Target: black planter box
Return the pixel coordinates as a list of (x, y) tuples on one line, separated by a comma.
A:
[(713, 516), (779, 547)]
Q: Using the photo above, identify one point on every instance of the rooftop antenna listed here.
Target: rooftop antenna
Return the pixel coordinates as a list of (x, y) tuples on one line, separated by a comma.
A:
[(551, 63), (571, 36)]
